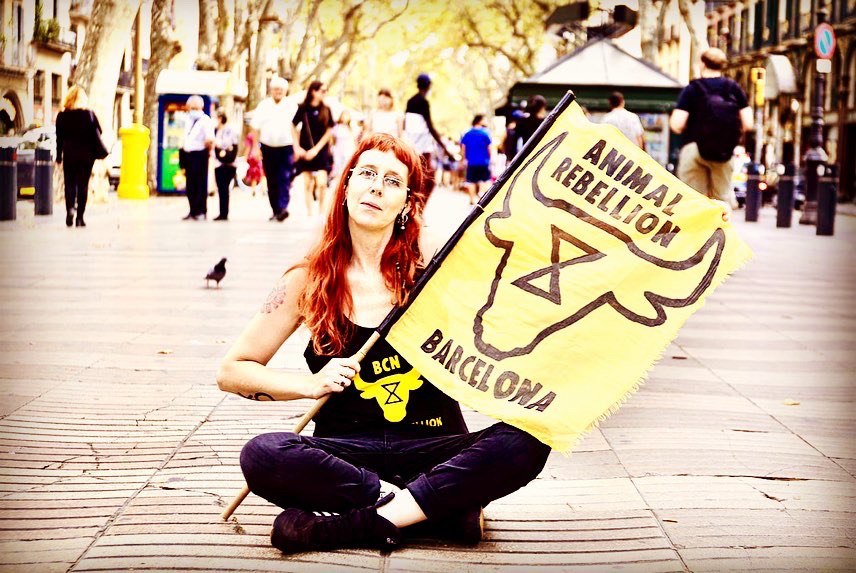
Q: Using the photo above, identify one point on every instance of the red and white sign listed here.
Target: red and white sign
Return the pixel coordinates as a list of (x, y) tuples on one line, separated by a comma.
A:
[(824, 41)]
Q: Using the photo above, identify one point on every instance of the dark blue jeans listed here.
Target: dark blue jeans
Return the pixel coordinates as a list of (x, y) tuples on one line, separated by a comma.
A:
[(278, 163), (196, 188), (224, 174), (446, 475)]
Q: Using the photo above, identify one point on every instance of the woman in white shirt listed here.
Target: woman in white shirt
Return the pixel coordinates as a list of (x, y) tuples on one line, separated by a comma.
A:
[(385, 119)]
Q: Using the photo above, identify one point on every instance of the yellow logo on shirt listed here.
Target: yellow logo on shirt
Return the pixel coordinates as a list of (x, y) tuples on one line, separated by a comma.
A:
[(391, 392)]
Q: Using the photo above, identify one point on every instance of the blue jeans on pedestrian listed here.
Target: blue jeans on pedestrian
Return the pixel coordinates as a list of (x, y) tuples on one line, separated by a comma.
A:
[(278, 163), (446, 475)]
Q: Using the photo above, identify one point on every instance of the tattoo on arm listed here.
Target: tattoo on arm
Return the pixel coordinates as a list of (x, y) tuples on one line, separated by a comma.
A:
[(259, 396), (275, 298)]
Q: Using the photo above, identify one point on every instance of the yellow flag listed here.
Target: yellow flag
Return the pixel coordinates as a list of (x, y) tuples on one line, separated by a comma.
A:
[(549, 306)]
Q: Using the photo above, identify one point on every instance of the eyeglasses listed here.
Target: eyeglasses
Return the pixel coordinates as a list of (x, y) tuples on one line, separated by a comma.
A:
[(369, 176)]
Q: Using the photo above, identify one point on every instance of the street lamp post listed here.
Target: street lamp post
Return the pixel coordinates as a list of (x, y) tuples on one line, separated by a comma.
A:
[(815, 157)]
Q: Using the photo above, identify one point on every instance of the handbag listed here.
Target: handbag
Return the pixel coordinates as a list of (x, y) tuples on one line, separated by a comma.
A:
[(226, 155), (99, 150)]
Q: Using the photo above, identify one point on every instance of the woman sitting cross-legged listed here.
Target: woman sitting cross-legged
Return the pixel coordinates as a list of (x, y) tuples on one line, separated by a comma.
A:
[(384, 426)]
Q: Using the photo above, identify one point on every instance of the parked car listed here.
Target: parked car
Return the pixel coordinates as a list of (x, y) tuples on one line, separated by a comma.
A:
[(114, 164), (739, 176), (32, 139), (768, 185), (40, 137), (799, 191)]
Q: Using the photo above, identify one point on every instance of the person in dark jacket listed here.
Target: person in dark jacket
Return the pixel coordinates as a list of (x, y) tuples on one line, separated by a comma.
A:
[(77, 134)]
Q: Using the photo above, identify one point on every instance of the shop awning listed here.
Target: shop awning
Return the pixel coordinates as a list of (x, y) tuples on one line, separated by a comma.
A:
[(597, 69), (781, 77)]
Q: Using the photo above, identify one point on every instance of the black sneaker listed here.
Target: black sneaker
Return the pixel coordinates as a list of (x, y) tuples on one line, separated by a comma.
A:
[(466, 528), (282, 216), (296, 530)]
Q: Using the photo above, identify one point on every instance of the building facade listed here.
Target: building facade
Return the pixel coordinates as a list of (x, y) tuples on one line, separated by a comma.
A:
[(36, 46), (752, 31)]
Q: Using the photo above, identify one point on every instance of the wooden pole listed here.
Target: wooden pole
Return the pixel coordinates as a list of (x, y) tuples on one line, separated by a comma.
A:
[(304, 420)]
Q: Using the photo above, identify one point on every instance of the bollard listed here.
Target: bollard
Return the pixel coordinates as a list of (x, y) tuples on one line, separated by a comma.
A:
[(827, 191), (8, 184), (753, 192), (785, 197), (43, 182), (133, 182)]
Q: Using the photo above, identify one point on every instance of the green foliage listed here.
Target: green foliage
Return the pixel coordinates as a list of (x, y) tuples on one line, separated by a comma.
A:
[(473, 50), (37, 22), (45, 31)]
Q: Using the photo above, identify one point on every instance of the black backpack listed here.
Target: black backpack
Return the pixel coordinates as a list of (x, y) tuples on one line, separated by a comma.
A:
[(718, 129)]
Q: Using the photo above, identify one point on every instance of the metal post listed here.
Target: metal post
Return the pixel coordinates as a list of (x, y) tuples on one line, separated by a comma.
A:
[(8, 184), (826, 201), (816, 156), (753, 191), (43, 182), (785, 197), (138, 68)]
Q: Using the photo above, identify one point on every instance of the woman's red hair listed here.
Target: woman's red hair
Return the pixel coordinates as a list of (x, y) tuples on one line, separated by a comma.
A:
[(326, 304)]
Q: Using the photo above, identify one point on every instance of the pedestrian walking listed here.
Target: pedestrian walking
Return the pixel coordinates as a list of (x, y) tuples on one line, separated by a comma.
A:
[(316, 130), (78, 145), (627, 122), (536, 111), (511, 142), (195, 152), (712, 113), (476, 148), (419, 130), (225, 152), (344, 143), (366, 261), (385, 119), (273, 124)]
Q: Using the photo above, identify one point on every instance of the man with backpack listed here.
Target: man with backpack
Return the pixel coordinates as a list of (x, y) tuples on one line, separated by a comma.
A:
[(712, 112)]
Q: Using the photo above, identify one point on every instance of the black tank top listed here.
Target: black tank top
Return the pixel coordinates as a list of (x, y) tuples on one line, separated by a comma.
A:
[(387, 394)]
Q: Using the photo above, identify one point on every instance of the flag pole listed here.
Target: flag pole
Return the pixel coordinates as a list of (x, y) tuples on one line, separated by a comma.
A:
[(476, 212), (301, 423)]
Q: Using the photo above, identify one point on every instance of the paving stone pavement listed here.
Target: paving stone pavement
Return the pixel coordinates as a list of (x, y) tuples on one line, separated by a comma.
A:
[(118, 452)]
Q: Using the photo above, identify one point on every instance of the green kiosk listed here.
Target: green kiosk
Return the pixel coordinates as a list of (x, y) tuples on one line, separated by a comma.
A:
[(599, 68), (173, 88)]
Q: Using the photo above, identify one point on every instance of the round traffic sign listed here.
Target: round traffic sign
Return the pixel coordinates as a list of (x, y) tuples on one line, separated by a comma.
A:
[(824, 41)]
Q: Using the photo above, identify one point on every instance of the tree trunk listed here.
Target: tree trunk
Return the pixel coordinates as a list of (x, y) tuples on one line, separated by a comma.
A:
[(164, 47), (647, 31), (255, 68), (205, 55), (684, 7), (97, 71)]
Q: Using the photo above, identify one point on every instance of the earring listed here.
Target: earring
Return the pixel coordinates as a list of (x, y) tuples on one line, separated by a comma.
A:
[(402, 220)]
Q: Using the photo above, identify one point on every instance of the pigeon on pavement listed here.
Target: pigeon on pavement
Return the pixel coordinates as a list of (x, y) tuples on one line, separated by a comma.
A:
[(216, 273)]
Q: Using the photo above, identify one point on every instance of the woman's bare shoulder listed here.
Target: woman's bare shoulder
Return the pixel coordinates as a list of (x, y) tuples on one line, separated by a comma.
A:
[(287, 289)]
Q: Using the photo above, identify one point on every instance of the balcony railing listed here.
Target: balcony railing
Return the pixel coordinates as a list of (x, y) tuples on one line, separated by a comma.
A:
[(49, 34)]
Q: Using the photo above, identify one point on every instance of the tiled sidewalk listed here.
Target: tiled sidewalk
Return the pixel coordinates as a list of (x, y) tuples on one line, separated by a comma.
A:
[(118, 451)]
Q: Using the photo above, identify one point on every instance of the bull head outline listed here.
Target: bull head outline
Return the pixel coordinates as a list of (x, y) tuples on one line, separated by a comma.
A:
[(658, 302)]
